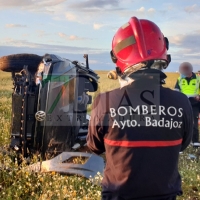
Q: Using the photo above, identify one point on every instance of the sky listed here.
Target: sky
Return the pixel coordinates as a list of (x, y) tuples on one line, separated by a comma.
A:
[(71, 28)]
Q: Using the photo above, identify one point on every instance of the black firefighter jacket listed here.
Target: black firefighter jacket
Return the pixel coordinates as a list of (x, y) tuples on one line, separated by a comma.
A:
[(141, 128)]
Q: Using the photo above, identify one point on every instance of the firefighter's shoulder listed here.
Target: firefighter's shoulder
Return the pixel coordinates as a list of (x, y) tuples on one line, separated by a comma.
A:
[(175, 94), (107, 94), (103, 100)]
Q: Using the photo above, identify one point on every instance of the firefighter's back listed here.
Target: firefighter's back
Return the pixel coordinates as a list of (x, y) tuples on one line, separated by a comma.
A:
[(146, 130)]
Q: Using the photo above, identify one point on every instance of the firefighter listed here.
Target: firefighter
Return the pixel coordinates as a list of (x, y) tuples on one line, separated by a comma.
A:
[(140, 126), (189, 84)]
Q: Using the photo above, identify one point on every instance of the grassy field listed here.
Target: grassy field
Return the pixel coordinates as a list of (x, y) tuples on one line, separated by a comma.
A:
[(16, 183)]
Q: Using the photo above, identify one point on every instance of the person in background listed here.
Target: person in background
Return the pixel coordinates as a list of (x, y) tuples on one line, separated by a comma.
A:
[(189, 84), (141, 126)]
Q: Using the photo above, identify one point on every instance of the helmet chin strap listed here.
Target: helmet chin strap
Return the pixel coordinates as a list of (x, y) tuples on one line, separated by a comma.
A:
[(149, 64)]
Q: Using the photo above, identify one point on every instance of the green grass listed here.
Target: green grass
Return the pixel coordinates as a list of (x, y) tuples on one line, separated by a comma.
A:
[(16, 183), (5, 106)]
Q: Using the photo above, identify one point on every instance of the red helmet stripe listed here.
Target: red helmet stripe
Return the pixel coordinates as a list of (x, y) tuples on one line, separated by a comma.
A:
[(139, 35)]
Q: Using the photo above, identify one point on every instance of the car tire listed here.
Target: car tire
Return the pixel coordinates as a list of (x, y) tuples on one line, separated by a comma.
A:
[(16, 62)]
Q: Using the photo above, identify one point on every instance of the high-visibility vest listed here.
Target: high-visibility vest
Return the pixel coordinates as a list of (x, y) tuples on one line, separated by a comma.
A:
[(191, 89)]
